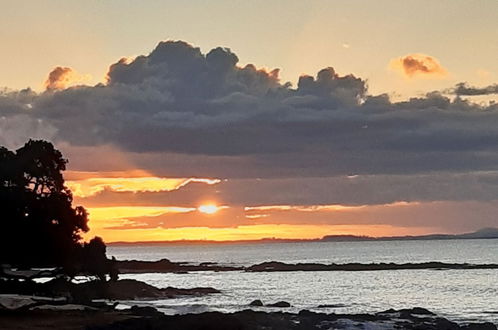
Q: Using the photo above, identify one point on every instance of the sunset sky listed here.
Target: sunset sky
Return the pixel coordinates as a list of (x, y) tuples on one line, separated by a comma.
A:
[(228, 120)]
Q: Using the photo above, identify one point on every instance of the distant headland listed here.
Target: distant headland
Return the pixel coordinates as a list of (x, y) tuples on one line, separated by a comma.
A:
[(484, 233)]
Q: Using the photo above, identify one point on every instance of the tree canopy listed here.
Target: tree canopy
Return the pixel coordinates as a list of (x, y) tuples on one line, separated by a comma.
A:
[(39, 225)]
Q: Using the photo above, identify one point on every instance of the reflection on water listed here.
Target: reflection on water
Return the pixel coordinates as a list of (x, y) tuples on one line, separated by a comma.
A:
[(457, 294), (457, 251), (461, 295)]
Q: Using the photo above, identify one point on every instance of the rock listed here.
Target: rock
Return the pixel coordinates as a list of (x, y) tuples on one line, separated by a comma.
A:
[(274, 266), (331, 306), (65, 307), (144, 311), (389, 311), (167, 266), (279, 304), (86, 292), (13, 302), (147, 319), (479, 326), (256, 302), (419, 311), (446, 324)]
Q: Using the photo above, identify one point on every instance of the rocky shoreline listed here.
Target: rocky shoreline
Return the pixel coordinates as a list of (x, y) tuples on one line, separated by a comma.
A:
[(147, 318), (91, 305), (59, 304), (87, 292), (167, 266), (415, 318)]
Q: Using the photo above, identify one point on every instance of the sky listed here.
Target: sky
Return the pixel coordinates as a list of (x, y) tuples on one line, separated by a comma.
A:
[(229, 120)]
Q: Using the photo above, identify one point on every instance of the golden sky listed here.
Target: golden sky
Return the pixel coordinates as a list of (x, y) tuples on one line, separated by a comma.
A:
[(255, 119)]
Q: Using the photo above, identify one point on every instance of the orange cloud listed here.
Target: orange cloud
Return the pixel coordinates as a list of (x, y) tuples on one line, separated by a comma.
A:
[(418, 66), (103, 218), (64, 77), (85, 186)]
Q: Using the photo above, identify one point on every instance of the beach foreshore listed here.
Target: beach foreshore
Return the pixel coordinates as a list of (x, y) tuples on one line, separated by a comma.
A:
[(141, 318)]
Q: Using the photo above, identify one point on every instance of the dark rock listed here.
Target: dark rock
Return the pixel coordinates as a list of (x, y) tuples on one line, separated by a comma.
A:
[(256, 302), (167, 266), (144, 311), (204, 321), (331, 306), (419, 311), (445, 324), (279, 304), (305, 320), (84, 293), (479, 326), (389, 311), (274, 266)]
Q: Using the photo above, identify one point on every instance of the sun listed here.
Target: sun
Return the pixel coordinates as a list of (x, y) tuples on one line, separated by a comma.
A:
[(208, 208)]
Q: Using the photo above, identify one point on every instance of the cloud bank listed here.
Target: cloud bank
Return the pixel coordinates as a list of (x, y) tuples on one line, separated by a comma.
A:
[(324, 154), (180, 113)]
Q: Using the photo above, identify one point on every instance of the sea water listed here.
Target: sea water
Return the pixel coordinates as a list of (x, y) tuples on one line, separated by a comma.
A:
[(461, 295)]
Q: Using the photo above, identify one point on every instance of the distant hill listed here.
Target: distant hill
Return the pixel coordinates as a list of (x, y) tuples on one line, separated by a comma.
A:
[(480, 234), (484, 233)]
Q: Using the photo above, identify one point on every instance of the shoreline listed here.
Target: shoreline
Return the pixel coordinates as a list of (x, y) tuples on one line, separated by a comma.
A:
[(138, 318), (80, 306), (167, 266)]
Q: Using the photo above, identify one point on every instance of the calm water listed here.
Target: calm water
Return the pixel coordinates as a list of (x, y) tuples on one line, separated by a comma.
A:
[(461, 295)]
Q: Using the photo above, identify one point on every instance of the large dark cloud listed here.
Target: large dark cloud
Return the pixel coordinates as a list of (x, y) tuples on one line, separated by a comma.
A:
[(196, 114)]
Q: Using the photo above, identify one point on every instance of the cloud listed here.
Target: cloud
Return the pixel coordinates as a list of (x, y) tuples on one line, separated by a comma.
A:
[(459, 216), (339, 190), (63, 77), (418, 66), (464, 89), (94, 185), (177, 112), (15, 130)]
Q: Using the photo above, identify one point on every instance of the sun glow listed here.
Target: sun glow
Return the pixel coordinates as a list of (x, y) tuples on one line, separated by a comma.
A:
[(208, 209)]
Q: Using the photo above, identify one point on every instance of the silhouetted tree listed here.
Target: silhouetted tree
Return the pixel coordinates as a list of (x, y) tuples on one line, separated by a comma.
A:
[(39, 227)]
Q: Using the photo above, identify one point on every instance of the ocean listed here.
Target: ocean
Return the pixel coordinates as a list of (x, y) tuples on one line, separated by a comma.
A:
[(460, 295)]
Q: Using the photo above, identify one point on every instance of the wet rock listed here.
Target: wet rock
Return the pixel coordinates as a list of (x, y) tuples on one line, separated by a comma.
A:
[(274, 266), (144, 311), (331, 306), (167, 266), (445, 324), (480, 326), (305, 320), (256, 302), (282, 304), (84, 293), (418, 311)]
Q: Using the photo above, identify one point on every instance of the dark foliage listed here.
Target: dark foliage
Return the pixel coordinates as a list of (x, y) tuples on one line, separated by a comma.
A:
[(39, 225)]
